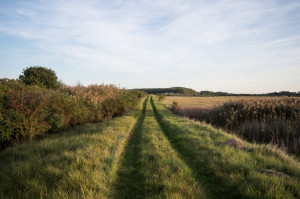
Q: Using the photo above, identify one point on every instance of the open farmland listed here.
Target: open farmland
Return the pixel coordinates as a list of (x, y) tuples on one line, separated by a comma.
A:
[(200, 102), (146, 153)]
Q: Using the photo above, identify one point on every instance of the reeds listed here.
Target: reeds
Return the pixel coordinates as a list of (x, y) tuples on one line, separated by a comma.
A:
[(261, 119)]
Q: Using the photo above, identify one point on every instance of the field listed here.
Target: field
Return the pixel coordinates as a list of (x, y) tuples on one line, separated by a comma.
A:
[(269, 120), (146, 153), (199, 102)]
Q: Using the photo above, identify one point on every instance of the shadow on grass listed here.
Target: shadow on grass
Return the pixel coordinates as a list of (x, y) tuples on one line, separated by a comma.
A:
[(130, 182), (204, 174)]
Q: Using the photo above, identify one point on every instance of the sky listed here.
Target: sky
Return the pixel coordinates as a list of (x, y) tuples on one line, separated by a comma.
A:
[(245, 46)]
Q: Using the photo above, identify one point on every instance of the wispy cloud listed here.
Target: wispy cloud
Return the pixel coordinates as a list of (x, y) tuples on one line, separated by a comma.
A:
[(165, 43)]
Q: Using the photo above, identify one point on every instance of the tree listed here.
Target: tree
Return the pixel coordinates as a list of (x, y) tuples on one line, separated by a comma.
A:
[(41, 76)]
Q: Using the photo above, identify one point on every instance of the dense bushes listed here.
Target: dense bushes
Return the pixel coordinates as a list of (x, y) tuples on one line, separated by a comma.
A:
[(27, 111), (262, 119)]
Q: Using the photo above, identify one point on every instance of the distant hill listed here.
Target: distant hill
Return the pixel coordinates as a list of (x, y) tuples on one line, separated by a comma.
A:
[(174, 91), (282, 93)]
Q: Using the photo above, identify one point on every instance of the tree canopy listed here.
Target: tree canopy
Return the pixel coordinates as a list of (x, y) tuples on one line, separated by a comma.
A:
[(41, 76)]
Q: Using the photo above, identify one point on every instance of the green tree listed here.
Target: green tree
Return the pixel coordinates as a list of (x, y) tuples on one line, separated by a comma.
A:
[(41, 76)]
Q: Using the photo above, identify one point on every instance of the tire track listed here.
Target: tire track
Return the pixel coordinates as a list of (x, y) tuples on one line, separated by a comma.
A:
[(129, 183), (184, 157), (151, 168)]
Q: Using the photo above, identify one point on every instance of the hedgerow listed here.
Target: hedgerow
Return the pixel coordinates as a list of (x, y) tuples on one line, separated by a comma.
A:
[(27, 111)]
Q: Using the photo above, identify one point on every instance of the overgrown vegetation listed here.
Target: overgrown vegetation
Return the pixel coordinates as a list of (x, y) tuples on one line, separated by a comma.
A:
[(30, 110), (263, 120)]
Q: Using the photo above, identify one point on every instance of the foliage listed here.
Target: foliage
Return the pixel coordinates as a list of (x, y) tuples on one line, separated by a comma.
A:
[(41, 76), (27, 111)]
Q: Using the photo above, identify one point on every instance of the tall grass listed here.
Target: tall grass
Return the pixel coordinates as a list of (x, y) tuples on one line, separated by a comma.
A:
[(226, 172), (29, 111), (263, 120)]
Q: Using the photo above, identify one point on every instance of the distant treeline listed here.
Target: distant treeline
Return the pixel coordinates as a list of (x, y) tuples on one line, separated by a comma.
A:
[(170, 91), (173, 91), (282, 93)]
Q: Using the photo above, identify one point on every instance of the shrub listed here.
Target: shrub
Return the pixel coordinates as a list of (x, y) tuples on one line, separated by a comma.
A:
[(161, 98), (174, 106)]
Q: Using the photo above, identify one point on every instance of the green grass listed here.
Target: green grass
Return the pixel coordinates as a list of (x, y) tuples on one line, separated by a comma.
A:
[(152, 168), (228, 172), (79, 163), (146, 153)]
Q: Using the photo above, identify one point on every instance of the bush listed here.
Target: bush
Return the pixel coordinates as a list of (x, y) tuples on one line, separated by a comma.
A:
[(40, 76), (161, 98), (174, 106), (28, 110)]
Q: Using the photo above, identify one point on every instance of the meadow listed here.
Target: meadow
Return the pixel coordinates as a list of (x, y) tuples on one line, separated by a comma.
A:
[(146, 153)]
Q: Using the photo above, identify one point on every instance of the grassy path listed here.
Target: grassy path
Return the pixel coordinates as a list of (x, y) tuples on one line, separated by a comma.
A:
[(146, 153), (151, 168)]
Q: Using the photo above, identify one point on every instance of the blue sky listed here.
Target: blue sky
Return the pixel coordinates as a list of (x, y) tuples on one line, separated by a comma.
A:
[(235, 46)]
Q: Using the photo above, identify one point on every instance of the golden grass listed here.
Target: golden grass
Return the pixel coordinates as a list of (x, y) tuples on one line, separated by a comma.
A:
[(200, 102)]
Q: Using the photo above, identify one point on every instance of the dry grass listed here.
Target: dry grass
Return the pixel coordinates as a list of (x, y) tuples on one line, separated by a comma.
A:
[(200, 102)]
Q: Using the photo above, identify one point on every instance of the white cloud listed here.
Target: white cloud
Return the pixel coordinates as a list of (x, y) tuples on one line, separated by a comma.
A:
[(180, 40)]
